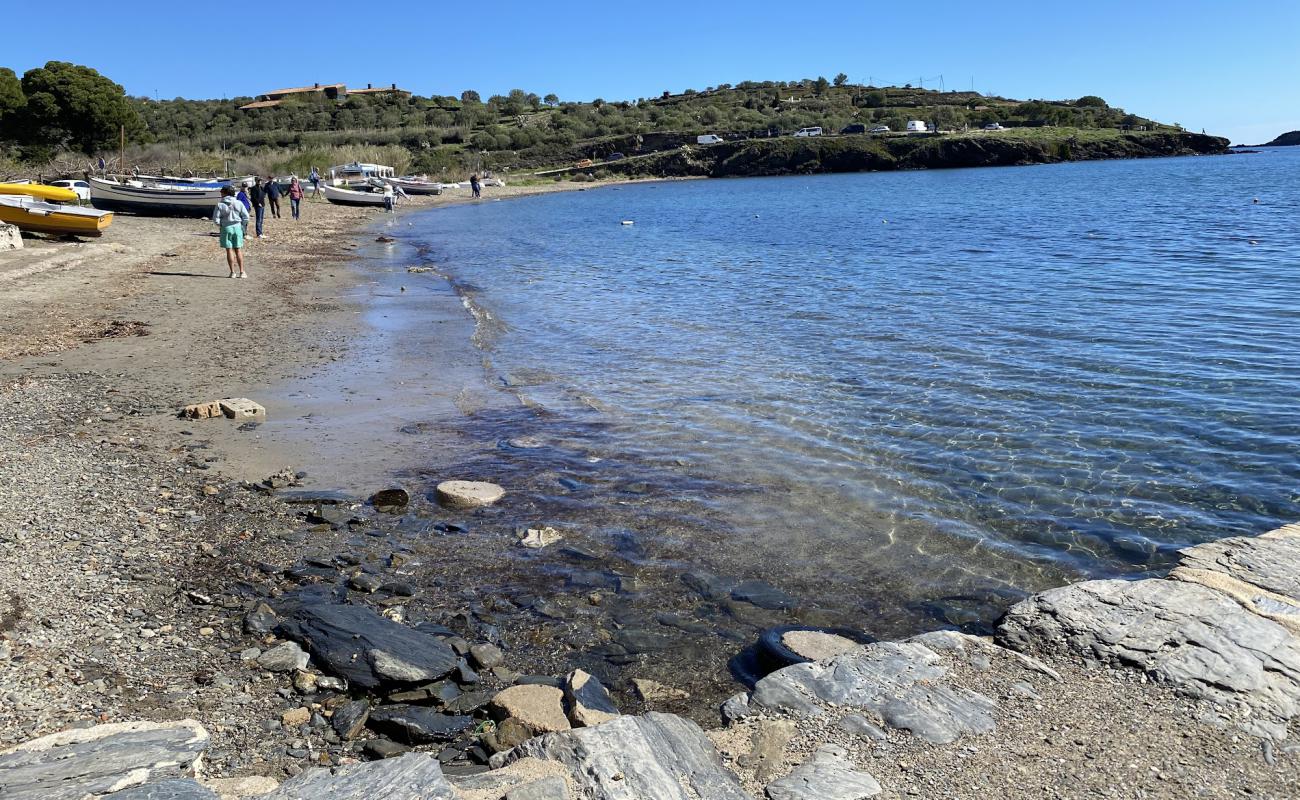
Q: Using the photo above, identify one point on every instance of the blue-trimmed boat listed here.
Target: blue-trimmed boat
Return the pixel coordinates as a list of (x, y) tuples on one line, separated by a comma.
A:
[(154, 199)]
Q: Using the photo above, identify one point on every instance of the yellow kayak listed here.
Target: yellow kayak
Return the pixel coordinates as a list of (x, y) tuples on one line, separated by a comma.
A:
[(52, 193)]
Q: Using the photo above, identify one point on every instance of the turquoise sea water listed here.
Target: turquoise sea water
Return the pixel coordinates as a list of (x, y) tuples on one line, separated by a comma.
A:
[(910, 388)]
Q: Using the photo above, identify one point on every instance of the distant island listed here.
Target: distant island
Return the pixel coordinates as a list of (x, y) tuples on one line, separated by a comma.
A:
[(1288, 139)]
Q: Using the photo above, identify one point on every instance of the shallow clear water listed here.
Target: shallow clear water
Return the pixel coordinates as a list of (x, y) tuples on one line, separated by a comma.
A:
[(904, 386)]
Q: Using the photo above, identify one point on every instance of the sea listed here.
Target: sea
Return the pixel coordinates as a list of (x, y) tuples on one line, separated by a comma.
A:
[(887, 401)]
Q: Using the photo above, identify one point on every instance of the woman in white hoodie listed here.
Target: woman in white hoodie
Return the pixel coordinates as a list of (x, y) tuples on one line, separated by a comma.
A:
[(231, 218)]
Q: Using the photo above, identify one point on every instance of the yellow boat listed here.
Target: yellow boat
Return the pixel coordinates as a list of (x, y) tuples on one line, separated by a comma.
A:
[(31, 214), (55, 194)]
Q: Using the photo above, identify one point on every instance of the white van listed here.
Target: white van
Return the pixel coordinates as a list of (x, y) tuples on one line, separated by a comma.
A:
[(916, 126), (708, 138), (809, 132)]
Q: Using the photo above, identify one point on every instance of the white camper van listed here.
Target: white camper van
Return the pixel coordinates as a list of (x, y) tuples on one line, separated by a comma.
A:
[(708, 138), (916, 126)]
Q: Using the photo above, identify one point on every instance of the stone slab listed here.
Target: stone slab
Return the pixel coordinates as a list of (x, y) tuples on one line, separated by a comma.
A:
[(413, 776), (91, 762), (242, 408), (897, 684), (658, 756), (825, 776)]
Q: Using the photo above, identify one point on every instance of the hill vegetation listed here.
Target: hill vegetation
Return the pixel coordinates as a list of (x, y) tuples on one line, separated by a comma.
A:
[(66, 112)]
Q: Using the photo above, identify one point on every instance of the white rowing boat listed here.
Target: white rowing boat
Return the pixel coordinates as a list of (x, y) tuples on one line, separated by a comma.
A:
[(348, 197)]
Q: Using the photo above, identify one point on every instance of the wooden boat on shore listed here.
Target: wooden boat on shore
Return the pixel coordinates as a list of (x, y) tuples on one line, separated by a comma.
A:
[(413, 185), (34, 214), (349, 197), (155, 199), (55, 194)]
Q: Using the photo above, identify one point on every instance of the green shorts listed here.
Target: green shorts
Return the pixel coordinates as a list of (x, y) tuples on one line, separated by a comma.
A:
[(232, 237)]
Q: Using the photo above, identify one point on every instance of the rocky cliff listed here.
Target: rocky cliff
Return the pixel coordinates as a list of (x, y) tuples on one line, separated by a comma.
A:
[(790, 156)]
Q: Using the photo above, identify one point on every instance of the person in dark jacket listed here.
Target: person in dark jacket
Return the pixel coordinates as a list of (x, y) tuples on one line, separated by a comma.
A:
[(273, 196), (257, 196)]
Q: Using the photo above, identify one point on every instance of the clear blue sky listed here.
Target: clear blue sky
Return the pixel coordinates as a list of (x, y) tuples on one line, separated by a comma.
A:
[(1231, 70)]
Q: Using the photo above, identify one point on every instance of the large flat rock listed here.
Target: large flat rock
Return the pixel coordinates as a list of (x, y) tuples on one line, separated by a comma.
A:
[(179, 789), (94, 762), (414, 776), (1180, 633), (898, 684), (357, 643), (658, 756), (1260, 572)]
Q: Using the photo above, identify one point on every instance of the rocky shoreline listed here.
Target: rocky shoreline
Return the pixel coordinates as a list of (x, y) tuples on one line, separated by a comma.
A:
[(195, 634)]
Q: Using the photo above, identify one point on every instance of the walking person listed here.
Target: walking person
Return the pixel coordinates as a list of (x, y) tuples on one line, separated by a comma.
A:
[(295, 197), (257, 196), (273, 196), (231, 218), (474, 185), (314, 177), (242, 197)]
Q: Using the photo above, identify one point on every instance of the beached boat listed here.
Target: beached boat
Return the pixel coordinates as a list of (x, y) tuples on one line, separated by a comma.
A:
[(56, 194), (413, 185), (34, 214), (154, 199), (358, 175), (349, 197)]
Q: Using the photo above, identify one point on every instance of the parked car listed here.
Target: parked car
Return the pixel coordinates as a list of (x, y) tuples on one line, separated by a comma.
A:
[(854, 128), (708, 138), (586, 162), (80, 187), (994, 126), (615, 157), (879, 129), (917, 126), (814, 131)]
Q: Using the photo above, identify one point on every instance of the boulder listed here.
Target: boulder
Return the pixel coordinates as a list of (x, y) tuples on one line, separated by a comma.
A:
[(90, 762), (417, 725), (10, 237), (899, 684), (587, 700), (468, 494), (538, 708), (284, 657), (366, 648), (658, 756), (486, 655), (826, 776), (1179, 633), (412, 776)]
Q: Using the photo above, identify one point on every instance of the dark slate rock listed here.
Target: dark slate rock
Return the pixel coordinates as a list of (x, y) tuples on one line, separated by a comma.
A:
[(383, 748), (350, 718), (636, 640), (390, 499), (166, 790), (261, 620), (361, 645), (708, 585), (763, 595), (417, 725)]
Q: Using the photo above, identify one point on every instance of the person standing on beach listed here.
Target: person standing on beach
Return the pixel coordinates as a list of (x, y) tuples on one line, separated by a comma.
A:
[(231, 219), (475, 187), (257, 195), (295, 197), (314, 177), (390, 199), (242, 197), (273, 196)]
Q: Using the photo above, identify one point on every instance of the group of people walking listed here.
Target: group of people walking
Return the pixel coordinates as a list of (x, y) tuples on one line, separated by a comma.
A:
[(239, 207)]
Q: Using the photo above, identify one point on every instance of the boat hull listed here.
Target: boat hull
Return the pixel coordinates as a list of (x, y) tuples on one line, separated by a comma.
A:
[(166, 201), (31, 214), (417, 187), (347, 197)]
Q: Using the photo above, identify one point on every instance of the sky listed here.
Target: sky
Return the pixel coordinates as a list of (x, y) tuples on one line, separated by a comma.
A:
[(1206, 65)]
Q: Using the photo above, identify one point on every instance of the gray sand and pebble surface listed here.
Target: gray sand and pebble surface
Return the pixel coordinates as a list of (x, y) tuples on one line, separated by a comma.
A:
[(183, 616)]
